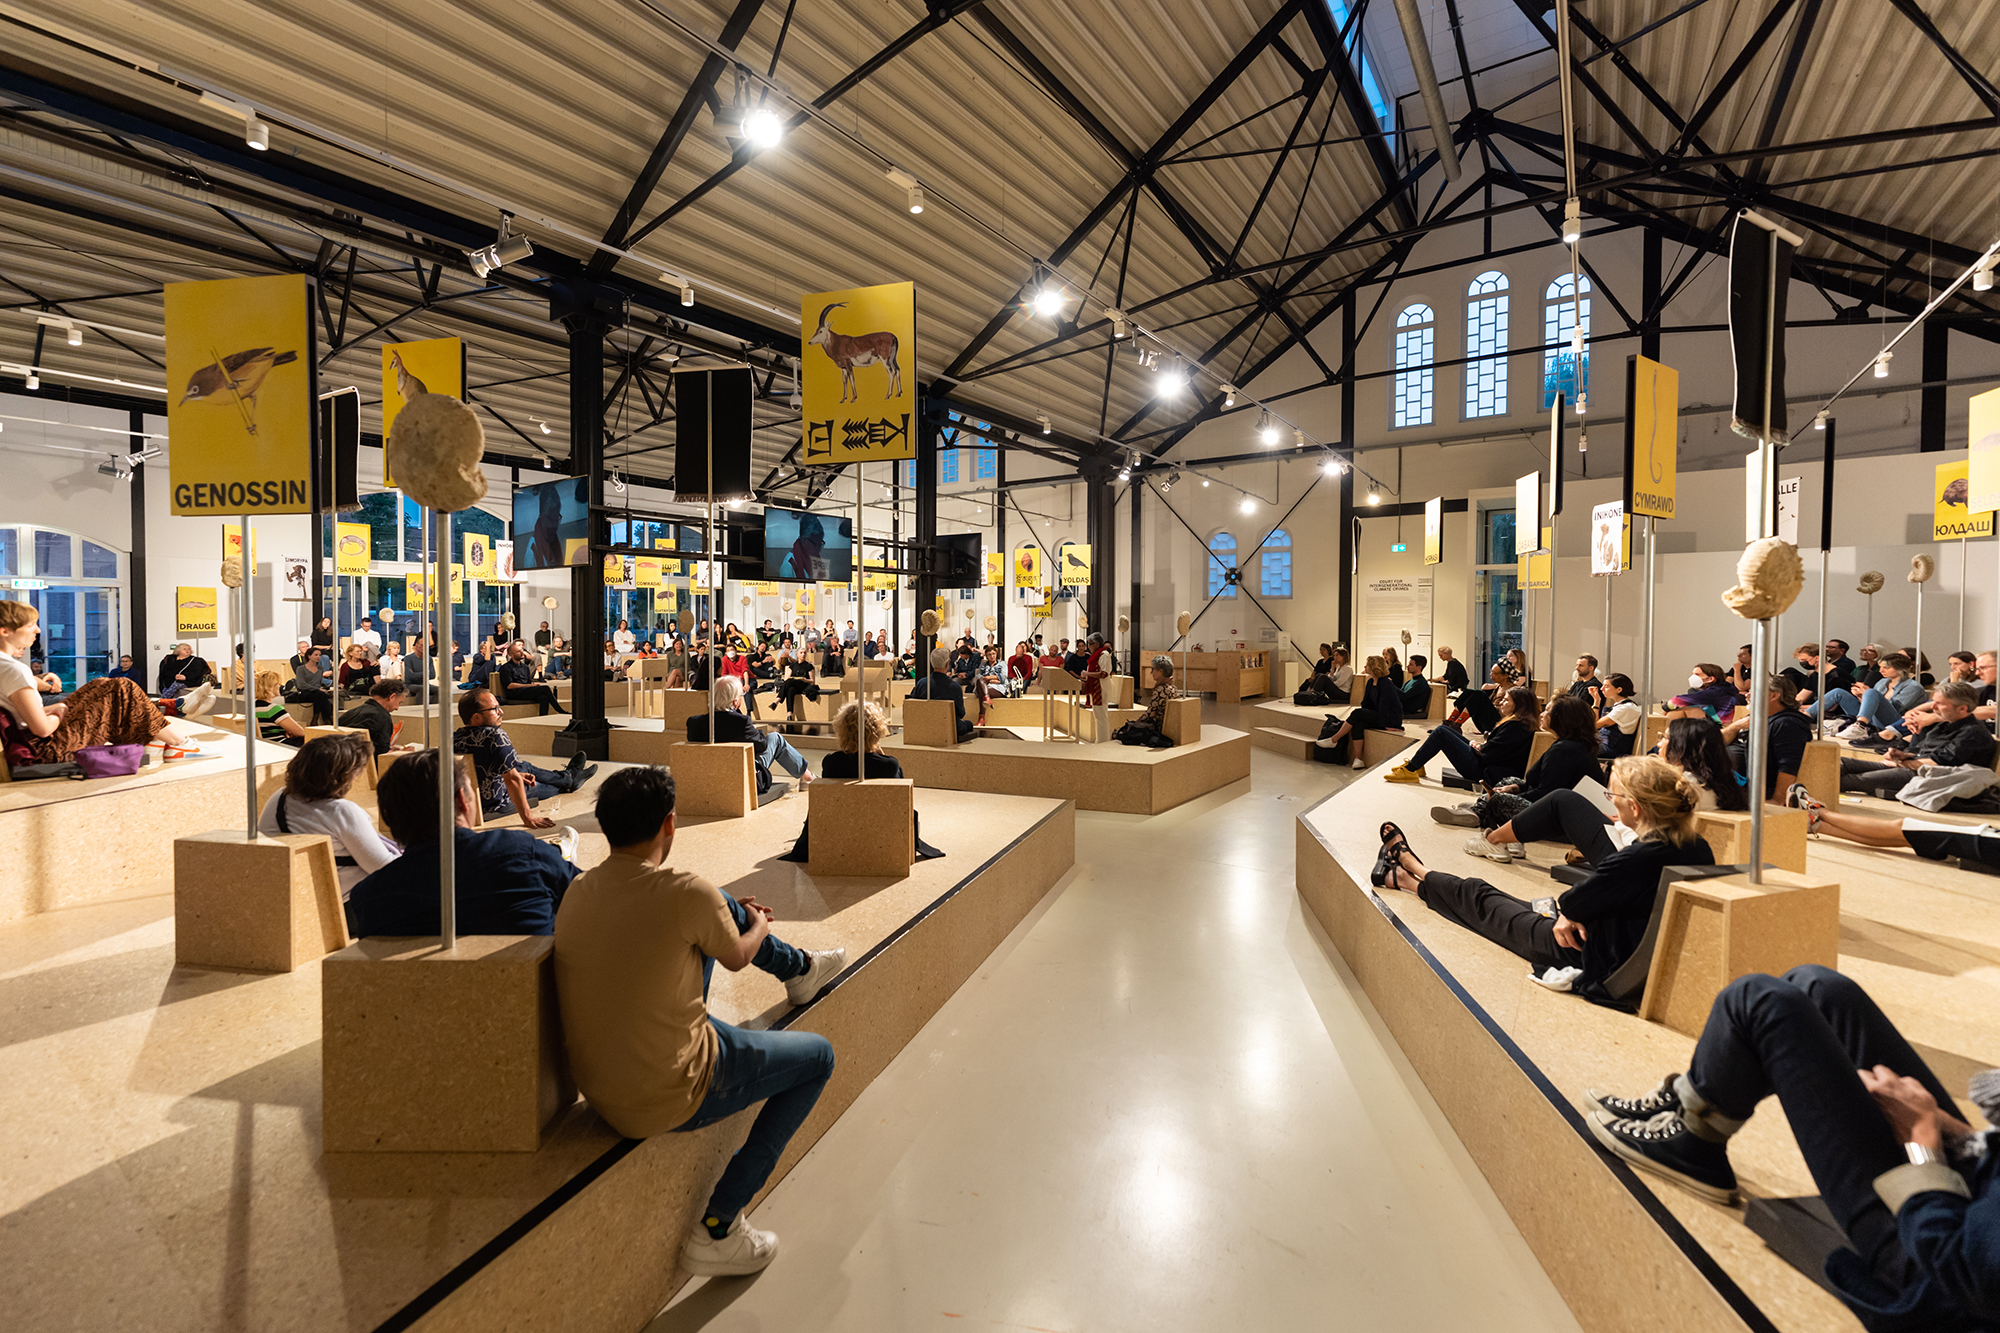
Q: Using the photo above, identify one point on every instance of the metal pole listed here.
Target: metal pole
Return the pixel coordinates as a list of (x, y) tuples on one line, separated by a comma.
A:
[(1646, 665), (861, 630), (426, 534), (708, 550), (1917, 667), (333, 649), (1819, 693), (1760, 646), (447, 769), (1964, 588), (1552, 607), (1607, 627), (249, 685)]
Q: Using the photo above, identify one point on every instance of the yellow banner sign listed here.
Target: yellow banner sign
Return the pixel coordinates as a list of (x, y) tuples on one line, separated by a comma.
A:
[(1533, 569), (1652, 438), (996, 569), (481, 561), (351, 545), (575, 549), (1951, 514), (1075, 566), (240, 403), (458, 585), (646, 571), (232, 541), (1434, 530), (614, 569), (1983, 433), (1027, 566), (415, 592), (805, 599), (194, 610), (671, 568), (859, 408), (435, 365), (763, 589)]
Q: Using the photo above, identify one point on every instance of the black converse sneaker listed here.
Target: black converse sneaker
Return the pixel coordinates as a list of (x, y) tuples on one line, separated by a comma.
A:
[(1665, 1146), (1662, 1098)]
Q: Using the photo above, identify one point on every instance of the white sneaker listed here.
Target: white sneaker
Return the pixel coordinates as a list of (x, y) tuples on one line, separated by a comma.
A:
[(826, 964), (200, 699), (1360, 763), (1492, 851), (1853, 731), (744, 1250), (1516, 852)]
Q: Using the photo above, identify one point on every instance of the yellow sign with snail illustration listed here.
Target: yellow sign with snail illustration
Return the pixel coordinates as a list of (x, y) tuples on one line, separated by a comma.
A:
[(1028, 567), (241, 405), (194, 610), (351, 543)]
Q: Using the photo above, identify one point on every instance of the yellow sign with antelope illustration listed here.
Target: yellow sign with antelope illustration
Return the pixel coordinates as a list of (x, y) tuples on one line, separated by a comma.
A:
[(859, 405)]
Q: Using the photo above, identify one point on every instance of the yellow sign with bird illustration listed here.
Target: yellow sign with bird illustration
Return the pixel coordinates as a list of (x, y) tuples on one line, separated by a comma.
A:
[(351, 546), (240, 396), (435, 365), (194, 610), (1951, 515), (481, 562), (1075, 566), (859, 407)]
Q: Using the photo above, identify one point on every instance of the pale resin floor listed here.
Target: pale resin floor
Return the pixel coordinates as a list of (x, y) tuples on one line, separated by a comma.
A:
[(1159, 1105)]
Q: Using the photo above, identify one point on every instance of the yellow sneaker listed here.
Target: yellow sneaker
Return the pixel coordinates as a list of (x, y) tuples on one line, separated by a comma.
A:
[(1398, 773)]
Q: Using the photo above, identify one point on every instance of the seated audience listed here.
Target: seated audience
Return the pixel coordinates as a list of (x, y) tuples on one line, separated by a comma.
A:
[(1380, 709), (1709, 694), (1957, 738), (506, 881), (1804, 673), (1619, 725), (1977, 849), (1502, 756), (100, 712), (390, 665), (357, 671), (127, 670), (1966, 669), (1787, 731), (1416, 689), (1481, 707), (366, 638), (1331, 682), (1598, 923), (1695, 746), (733, 728), (522, 681), (1454, 677), (636, 945), (1154, 720), (939, 685), (373, 715), (311, 684), (1908, 1181), (1874, 707), (1738, 674), (1021, 667), (1395, 665), (314, 800), (1570, 758), (1585, 682), (274, 724), (504, 777), (181, 671)]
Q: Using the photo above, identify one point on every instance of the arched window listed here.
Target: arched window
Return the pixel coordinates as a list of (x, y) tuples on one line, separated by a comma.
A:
[(1486, 345), (78, 589), (1221, 560), (1416, 349), (1563, 316), (1274, 569)]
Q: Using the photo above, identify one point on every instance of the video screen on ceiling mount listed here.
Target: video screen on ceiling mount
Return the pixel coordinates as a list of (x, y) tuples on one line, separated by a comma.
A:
[(800, 546), (552, 524)]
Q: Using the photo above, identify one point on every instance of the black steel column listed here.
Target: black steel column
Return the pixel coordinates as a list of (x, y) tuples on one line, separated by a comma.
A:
[(135, 567), (927, 484), (896, 535), (1937, 362), (1100, 518), (1006, 556), (588, 312), (1135, 492), (1650, 318), (1347, 340)]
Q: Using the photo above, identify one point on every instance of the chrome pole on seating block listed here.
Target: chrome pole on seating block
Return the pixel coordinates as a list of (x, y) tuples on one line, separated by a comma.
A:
[(249, 685), (440, 579)]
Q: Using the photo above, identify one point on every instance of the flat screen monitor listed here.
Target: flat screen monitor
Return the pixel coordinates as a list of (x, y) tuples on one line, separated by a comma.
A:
[(552, 524), (958, 561), (800, 546)]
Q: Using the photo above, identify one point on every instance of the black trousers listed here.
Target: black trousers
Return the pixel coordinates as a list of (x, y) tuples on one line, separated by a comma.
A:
[(1479, 706), (1876, 779), (1502, 918), (1565, 816), (1358, 721), (322, 705), (534, 694)]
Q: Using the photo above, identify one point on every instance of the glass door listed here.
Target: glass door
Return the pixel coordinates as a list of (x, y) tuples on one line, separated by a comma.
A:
[(1498, 600)]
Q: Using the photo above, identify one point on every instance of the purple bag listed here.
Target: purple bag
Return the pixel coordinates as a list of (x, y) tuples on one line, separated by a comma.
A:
[(109, 761)]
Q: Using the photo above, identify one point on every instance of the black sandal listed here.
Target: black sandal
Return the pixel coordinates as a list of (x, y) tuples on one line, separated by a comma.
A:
[(1394, 844)]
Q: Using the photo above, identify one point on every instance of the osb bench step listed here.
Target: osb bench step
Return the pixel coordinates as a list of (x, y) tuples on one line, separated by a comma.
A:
[(1291, 743)]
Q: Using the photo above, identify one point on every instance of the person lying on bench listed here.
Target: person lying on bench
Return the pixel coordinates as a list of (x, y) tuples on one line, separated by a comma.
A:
[(508, 882), (1380, 709), (1910, 1184), (1503, 754), (636, 944), (501, 770), (1955, 739), (1933, 841), (733, 728), (1599, 923), (939, 685)]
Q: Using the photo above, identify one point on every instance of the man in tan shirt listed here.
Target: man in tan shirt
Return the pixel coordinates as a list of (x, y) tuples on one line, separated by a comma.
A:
[(636, 944)]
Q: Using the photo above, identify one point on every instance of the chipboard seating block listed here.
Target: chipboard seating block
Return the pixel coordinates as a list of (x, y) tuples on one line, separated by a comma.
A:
[(1713, 931), (862, 828), (675, 707), (1727, 833), (718, 779), (1293, 744), (930, 722), (1653, 731), (255, 904), (1182, 720), (369, 773), (1378, 746), (1436, 713), (1819, 772), (1539, 746), (425, 1049)]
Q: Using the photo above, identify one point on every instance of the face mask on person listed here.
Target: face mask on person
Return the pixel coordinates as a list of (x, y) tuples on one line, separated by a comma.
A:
[(1695, 680)]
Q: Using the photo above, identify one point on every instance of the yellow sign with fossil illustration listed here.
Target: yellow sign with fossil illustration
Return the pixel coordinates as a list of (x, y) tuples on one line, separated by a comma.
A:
[(194, 610), (352, 543), (240, 396)]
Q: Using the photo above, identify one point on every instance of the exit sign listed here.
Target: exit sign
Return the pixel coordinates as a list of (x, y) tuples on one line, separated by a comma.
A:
[(1400, 547), (30, 584)]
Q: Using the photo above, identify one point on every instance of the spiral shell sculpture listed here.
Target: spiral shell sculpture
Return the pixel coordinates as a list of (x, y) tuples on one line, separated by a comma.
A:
[(1921, 569), (929, 623), (1183, 623), (1768, 579), (232, 572), (1871, 583), (1124, 624)]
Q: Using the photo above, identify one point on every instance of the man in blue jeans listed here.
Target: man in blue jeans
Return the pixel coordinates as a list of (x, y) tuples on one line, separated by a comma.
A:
[(636, 944), (505, 777), (1909, 1182)]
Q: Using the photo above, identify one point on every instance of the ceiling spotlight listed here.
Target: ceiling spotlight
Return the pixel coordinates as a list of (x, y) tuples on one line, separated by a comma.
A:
[(911, 186), (1576, 344), (34, 380), (1249, 506), (543, 424), (1204, 483), (687, 293), (1982, 277), (1125, 472), (1047, 425), (256, 133), (618, 483), (737, 503), (1229, 395), (1267, 430), (1298, 438), (1582, 401), (507, 248), (1120, 326), (1819, 420), (1882, 364), (1049, 300), (1374, 496), (1331, 467), (75, 338), (1173, 380), (763, 128), (1572, 221)]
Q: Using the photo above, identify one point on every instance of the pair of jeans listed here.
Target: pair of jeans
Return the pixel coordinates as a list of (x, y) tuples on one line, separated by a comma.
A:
[(1454, 747), (786, 1071), (1838, 703), (1865, 775), (540, 695), (543, 783), (771, 748), (1802, 1037), (1567, 816), (1502, 918)]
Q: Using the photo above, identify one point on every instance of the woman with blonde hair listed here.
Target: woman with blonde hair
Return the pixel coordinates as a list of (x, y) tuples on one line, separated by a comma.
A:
[(274, 724), (859, 730), (105, 711), (1599, 923), (1380, 709)]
